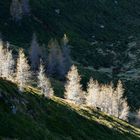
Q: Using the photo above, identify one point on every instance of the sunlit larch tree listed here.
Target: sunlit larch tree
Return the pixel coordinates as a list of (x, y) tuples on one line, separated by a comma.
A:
[(73, 88), (2, 58), (106, 98), (103, 98), (35, 53), (16, 10), (120, 106), (110, 100), (92, 97), (44, 83), (124, 115), (23, 73), (8, 65), (25, 7)]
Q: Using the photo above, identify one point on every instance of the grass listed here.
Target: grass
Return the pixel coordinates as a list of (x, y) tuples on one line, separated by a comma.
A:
[(38, 118), (80, 20)]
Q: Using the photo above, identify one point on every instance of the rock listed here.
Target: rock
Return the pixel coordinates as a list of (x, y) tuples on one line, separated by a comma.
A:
[(93, 36), (116, 2), (57, 11), (93, 43), (132, 44), (111, 45), (102, 26), (131, 37), (14, 109)]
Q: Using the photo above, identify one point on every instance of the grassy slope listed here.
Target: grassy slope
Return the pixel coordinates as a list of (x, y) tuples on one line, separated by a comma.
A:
[(80, 19), (41, 119)]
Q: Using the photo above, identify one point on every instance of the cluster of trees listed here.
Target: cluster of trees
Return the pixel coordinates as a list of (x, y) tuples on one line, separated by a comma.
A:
[(58, 61), (61, 55), (19, 71), (104, 97), (107, 98), (19, 8), (24, 74)]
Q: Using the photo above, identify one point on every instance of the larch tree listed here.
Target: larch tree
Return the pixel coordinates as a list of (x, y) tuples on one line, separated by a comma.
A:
[(2, 58), (55, 59), (121, 108), (61, 66), (23, 73), (44, 83), (59, 61), (67, 62), (137, 121), (16, 10), (35, 53), (124, 114), (25, 7), (73, 88), (102, 102), (93, 90), (8, 65), (110, 92), (106, 97)]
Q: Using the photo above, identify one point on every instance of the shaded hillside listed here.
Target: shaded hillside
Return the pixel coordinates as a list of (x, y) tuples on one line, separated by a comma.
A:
[(30, 116), (104, 38), (108, 25)]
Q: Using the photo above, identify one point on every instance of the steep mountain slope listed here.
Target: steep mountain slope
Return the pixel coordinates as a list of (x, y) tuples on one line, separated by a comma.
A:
[(103, 33), (91, 25), (104, 38), (30, 116)]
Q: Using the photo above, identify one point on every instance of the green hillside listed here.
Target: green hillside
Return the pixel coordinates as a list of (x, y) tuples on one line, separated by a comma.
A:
[(104, 40), (102, 34), (42, 119)]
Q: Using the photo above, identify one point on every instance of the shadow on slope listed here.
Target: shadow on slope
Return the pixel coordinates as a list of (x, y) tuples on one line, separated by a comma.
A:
[(28, 116)]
